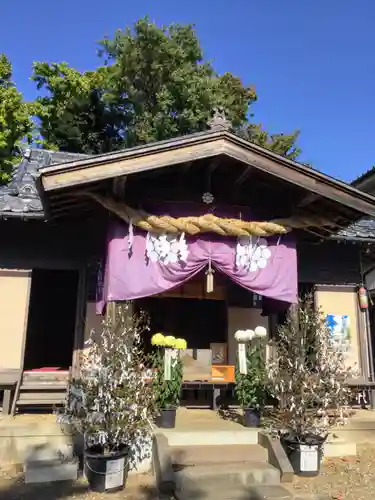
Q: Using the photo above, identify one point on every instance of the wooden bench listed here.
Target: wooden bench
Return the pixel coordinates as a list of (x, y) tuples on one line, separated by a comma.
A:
[(213, 386)]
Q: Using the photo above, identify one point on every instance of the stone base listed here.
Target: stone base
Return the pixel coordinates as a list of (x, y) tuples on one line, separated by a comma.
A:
[(49, 471)]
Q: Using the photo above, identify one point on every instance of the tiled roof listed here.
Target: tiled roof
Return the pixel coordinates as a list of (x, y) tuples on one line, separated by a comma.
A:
[(20, 198), (370, 172), (363, 230)]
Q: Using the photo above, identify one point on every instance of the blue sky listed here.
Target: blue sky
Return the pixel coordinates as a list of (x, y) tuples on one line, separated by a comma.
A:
[(312, 61)]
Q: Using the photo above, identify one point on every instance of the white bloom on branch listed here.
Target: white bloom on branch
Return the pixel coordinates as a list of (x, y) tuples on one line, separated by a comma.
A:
[(307, 375), (117, 402)]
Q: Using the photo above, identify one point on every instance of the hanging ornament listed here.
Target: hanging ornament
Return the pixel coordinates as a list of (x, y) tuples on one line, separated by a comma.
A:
[(209, 277), (363, 298), (208, 198)]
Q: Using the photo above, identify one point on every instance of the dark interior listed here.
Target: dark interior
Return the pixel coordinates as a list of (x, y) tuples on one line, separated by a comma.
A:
[(51, 322), (198, 321)]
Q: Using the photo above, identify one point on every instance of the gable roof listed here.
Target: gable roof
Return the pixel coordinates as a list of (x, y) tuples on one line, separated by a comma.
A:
[(20, 197), (83, 172), (363, 230)]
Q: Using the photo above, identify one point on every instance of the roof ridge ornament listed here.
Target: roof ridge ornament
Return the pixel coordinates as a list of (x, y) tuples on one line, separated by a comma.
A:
[(219, 121), (27, 154)]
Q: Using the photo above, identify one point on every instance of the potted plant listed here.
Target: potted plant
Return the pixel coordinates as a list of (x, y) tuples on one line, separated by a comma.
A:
[(251, 375), (110, 404), (307, 376), (167, 377)]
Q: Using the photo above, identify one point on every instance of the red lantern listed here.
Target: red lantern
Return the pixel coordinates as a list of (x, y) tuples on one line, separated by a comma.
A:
[(363, 298)]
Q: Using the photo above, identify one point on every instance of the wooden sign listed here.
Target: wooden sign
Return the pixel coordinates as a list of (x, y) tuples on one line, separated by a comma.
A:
[(196, 364)]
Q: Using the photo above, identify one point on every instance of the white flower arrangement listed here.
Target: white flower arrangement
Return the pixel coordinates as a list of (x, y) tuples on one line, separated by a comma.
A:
[(260, 332), (249, 335)]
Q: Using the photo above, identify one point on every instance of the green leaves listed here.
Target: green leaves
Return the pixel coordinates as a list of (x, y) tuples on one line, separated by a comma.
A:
[(167, 392), (152, 83), (15, 121), (250, 388)]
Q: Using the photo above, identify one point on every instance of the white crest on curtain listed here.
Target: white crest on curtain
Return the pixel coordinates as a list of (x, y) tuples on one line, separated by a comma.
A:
[(166, 248), (252, 253)]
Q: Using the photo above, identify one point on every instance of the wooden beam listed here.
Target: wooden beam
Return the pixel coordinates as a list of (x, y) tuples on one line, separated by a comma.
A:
[(319, 184), (80, 203), (139, 160), (308, 200), (201, 146), (244, 175), (118, 185)]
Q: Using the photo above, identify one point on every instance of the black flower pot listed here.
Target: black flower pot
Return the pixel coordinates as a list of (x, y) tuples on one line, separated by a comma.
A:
[(305, 453), (166, 418), (106, 473), (251, 417)]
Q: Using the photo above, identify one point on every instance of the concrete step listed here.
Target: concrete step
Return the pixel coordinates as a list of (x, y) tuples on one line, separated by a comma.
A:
[(339, 447), (210, 438), (49, 452), (199, 455), (225, 475), (45, 471), (245, 493), (18, 442)]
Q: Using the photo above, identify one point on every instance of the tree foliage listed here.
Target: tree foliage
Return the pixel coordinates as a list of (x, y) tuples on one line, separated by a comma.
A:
[(308, 373), (15, 121), (153, 84)]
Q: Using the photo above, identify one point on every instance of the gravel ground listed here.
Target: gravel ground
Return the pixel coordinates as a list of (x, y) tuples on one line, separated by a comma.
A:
[(351, 478), (140, 487), (344, 478)]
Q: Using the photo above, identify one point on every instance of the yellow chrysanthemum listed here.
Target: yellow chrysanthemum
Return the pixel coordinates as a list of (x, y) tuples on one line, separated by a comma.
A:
[(170, 341), (180, 344), (158, 339)]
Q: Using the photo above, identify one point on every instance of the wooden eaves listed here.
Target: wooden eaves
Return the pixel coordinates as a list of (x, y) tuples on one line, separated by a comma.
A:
[(60, 181)]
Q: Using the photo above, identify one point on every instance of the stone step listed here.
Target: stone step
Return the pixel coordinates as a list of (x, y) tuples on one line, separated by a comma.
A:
[(49, 452), (18, 442), (210, 438), (225, 475), (199, 455), (246, 493), (339, 447), (45, 471)]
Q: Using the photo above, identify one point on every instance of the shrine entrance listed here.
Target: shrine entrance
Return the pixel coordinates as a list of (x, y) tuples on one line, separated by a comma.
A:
[(208, 322), (189, 312)]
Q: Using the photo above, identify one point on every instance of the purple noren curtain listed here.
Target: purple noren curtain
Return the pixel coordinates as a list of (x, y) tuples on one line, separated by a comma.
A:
[(131, 275)]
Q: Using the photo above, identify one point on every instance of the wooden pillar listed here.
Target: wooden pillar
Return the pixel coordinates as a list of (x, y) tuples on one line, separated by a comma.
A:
[(79, 327)]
